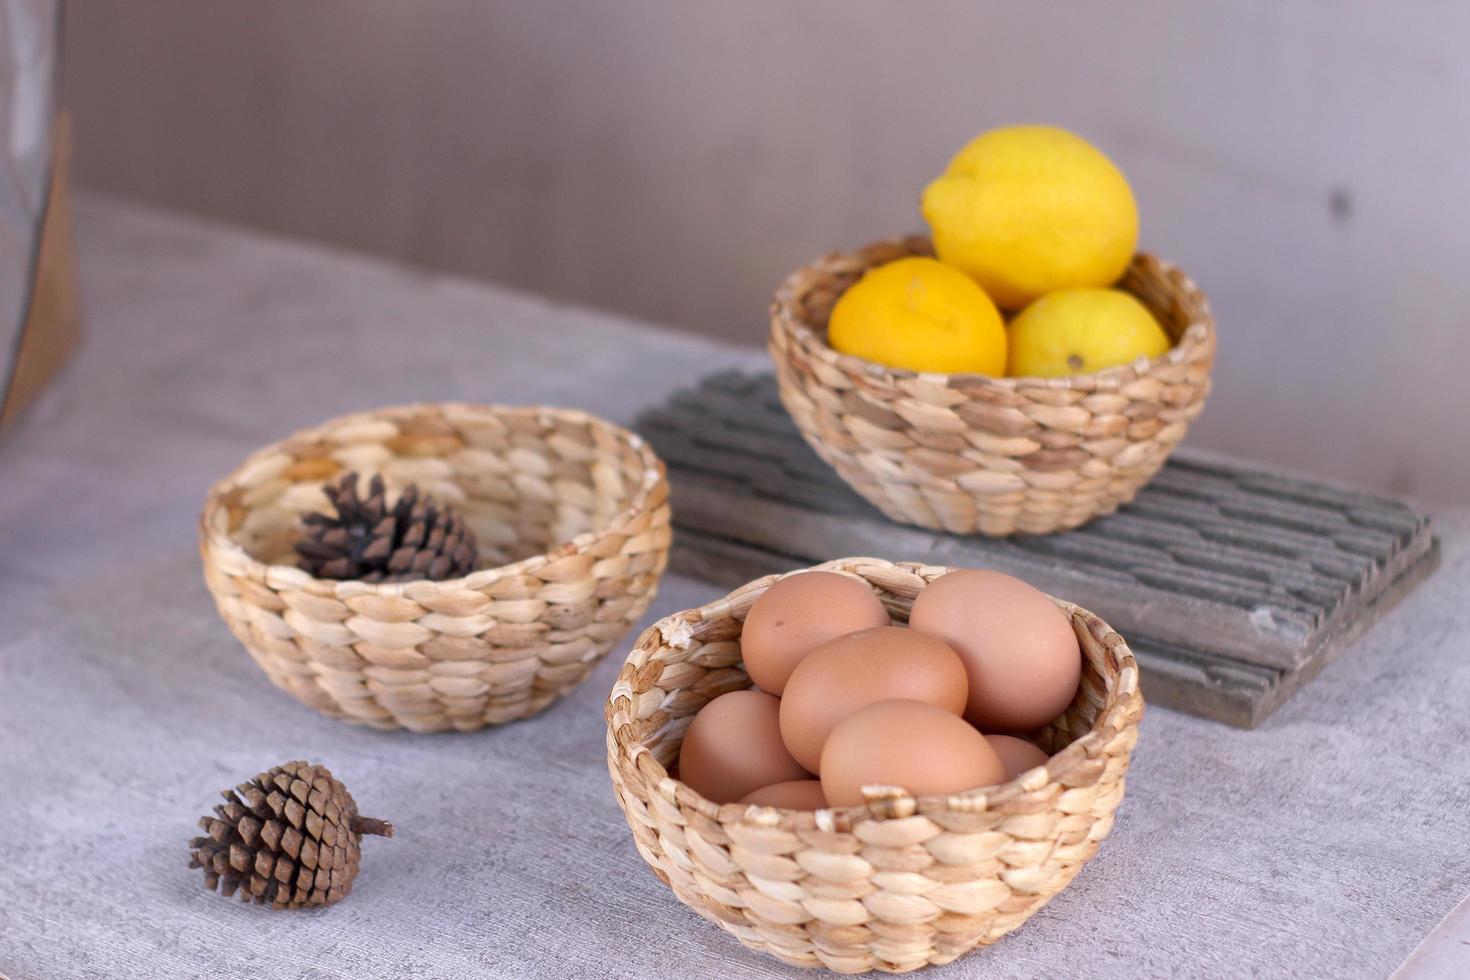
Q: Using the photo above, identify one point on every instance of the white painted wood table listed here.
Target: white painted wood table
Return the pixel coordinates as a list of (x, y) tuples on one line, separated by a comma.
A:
[(1326, 843)]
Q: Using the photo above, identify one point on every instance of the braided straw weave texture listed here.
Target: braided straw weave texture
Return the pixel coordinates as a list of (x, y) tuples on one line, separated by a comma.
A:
[(899, 882), (968, 453), (572, 518)]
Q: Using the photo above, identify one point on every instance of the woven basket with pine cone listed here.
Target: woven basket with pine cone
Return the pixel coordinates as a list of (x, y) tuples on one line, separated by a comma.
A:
[(289, 838), (369, 541)]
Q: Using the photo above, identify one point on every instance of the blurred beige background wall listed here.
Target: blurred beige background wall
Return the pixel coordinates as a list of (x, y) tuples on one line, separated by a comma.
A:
[(1307, 161)]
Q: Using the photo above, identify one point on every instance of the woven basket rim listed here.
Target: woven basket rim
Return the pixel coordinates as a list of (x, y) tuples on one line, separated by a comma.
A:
[(1195, 339), (277, 576), (1122, 694)]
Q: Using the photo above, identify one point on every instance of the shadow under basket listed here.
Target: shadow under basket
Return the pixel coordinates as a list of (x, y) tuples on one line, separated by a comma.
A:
[(571, 517), (967, 453), (894, 884)]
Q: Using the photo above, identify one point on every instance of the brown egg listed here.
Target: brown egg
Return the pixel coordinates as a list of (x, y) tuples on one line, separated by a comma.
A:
[(923, 749), (733, 747), (839, 677), (1017, 754), (798, 794), (799, 614), (1018, 647)]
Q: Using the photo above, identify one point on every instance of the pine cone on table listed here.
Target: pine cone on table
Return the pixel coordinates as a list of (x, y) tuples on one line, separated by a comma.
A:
[(288, 838), (415, 539)]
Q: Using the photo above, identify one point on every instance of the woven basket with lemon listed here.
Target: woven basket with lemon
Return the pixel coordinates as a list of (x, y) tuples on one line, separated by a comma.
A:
[(1022, 371)]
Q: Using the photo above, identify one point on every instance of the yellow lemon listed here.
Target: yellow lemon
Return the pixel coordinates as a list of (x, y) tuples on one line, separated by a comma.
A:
[(1078, 331), (1029, 209), (922, 315)]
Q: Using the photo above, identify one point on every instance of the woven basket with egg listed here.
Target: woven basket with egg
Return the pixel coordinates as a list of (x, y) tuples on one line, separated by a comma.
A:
[(887, 796)]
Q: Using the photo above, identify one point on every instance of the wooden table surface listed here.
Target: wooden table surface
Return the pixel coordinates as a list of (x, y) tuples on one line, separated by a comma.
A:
[(1327, 842)]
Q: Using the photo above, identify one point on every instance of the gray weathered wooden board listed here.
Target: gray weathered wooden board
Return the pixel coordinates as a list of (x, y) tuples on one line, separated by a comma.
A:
[(1233, 584)]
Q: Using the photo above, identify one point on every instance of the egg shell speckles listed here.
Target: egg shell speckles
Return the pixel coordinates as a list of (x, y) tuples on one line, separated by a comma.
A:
[(799, 614)]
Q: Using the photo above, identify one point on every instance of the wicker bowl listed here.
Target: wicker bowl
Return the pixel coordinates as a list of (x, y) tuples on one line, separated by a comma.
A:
[(891, 885), (572, 518), (966, 453)]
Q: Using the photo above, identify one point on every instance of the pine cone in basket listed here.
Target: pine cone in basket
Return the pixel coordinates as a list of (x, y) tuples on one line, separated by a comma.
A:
[(289, 838), (416, 539)]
